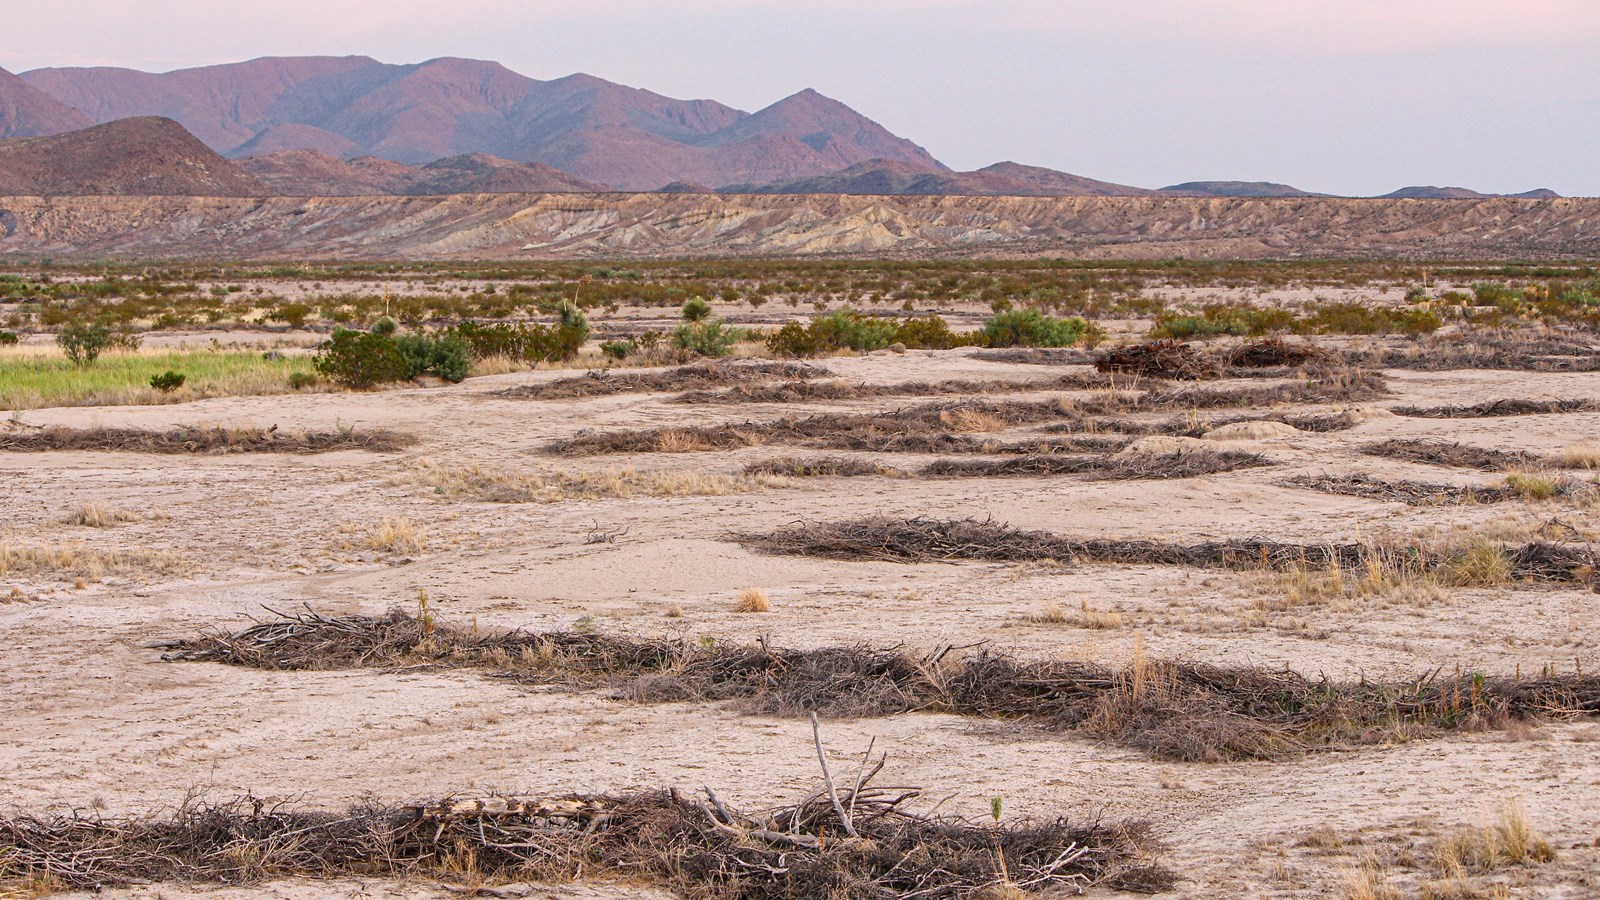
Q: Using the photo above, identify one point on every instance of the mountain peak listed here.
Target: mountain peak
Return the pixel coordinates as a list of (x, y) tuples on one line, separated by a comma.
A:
[(26, 111)]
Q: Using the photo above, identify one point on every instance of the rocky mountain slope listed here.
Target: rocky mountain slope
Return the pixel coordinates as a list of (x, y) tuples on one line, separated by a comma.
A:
[(307, 173), (519, 226), (586, 126), (141, 156), (26, 111), (882, 176), (1429, 192)]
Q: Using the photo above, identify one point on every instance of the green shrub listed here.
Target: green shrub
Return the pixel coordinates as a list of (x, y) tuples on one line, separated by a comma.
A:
[(1030, 328), (291, 314), (167, 381), (1219, 319), (358, 359), (571, 319), (84, 343), (8, 339), (529, 343), (696, 310), (301, 380), (442, 355), (709, 338), (846, 329), (618, 350), (385, 326), (793, 339)]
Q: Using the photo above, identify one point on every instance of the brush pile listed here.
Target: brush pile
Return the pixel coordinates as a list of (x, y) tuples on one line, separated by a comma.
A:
[(863, 844), (1159, 359), (1275, 352)]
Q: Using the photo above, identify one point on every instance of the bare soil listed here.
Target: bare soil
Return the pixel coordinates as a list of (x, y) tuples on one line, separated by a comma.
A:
[(95, 721)]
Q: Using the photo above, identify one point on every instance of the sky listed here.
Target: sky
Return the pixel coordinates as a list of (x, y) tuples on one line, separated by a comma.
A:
[(1352, 97)]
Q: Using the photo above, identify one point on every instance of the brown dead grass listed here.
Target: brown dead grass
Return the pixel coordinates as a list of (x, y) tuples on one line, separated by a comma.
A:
[(74, 559), (490, 484)]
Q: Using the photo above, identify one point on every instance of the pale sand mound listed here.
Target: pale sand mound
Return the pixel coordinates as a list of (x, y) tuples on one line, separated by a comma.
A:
[(1252, 431), (1162, 444)]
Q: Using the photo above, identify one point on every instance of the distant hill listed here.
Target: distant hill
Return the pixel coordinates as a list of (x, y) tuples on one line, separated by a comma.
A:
[(1429, 192), (598, 131), (1236, 189), (141, 156), (306, 173), (26, 111), (882, 176)]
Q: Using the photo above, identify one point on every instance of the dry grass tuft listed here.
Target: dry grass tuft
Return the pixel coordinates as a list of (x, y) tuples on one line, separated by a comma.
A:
[(1369, 881), (95, 515), (1508, 841), (75, 560), (752, 600), (397, 535), (1580, 456)]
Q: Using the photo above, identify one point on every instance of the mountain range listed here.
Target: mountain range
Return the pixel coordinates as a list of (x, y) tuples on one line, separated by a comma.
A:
[(354, 106), (353, 126)]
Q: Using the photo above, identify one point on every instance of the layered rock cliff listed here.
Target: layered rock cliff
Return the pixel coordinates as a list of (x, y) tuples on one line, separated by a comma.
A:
[(515, 226)]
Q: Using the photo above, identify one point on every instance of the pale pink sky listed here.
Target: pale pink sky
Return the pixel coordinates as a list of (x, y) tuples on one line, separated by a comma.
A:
[(1345, 96)]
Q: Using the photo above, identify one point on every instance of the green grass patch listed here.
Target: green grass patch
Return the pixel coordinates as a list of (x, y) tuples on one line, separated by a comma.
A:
[(35, 379)]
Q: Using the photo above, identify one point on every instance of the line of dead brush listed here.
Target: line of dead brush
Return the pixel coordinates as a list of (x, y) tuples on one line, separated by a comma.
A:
[(948, 540), (1491, 409), (942, 427), (841, 390), (700, 376), (1420, 493), (1177, 464), (1455, 455), (189, 439), (859, 841), (1171, 709)]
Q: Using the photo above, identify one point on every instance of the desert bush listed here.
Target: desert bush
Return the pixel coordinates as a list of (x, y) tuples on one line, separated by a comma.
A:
[(8, 339), (441, 355), (707, 338), (167, 382), (1031, 328), (359, 359), (696, 309), (293, 315), (302, 380), (84, 343), (385, 326), (1220, 319), (618, 350), (526, 342)]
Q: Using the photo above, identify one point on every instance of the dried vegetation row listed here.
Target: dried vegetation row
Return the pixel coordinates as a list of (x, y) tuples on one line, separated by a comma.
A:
[(701, 376), (949, 540), (186, 439), (876, 847), (945, 427), (1170, 709)]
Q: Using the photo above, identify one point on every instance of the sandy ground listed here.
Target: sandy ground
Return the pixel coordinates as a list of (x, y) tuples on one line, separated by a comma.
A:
[(94, 721)]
